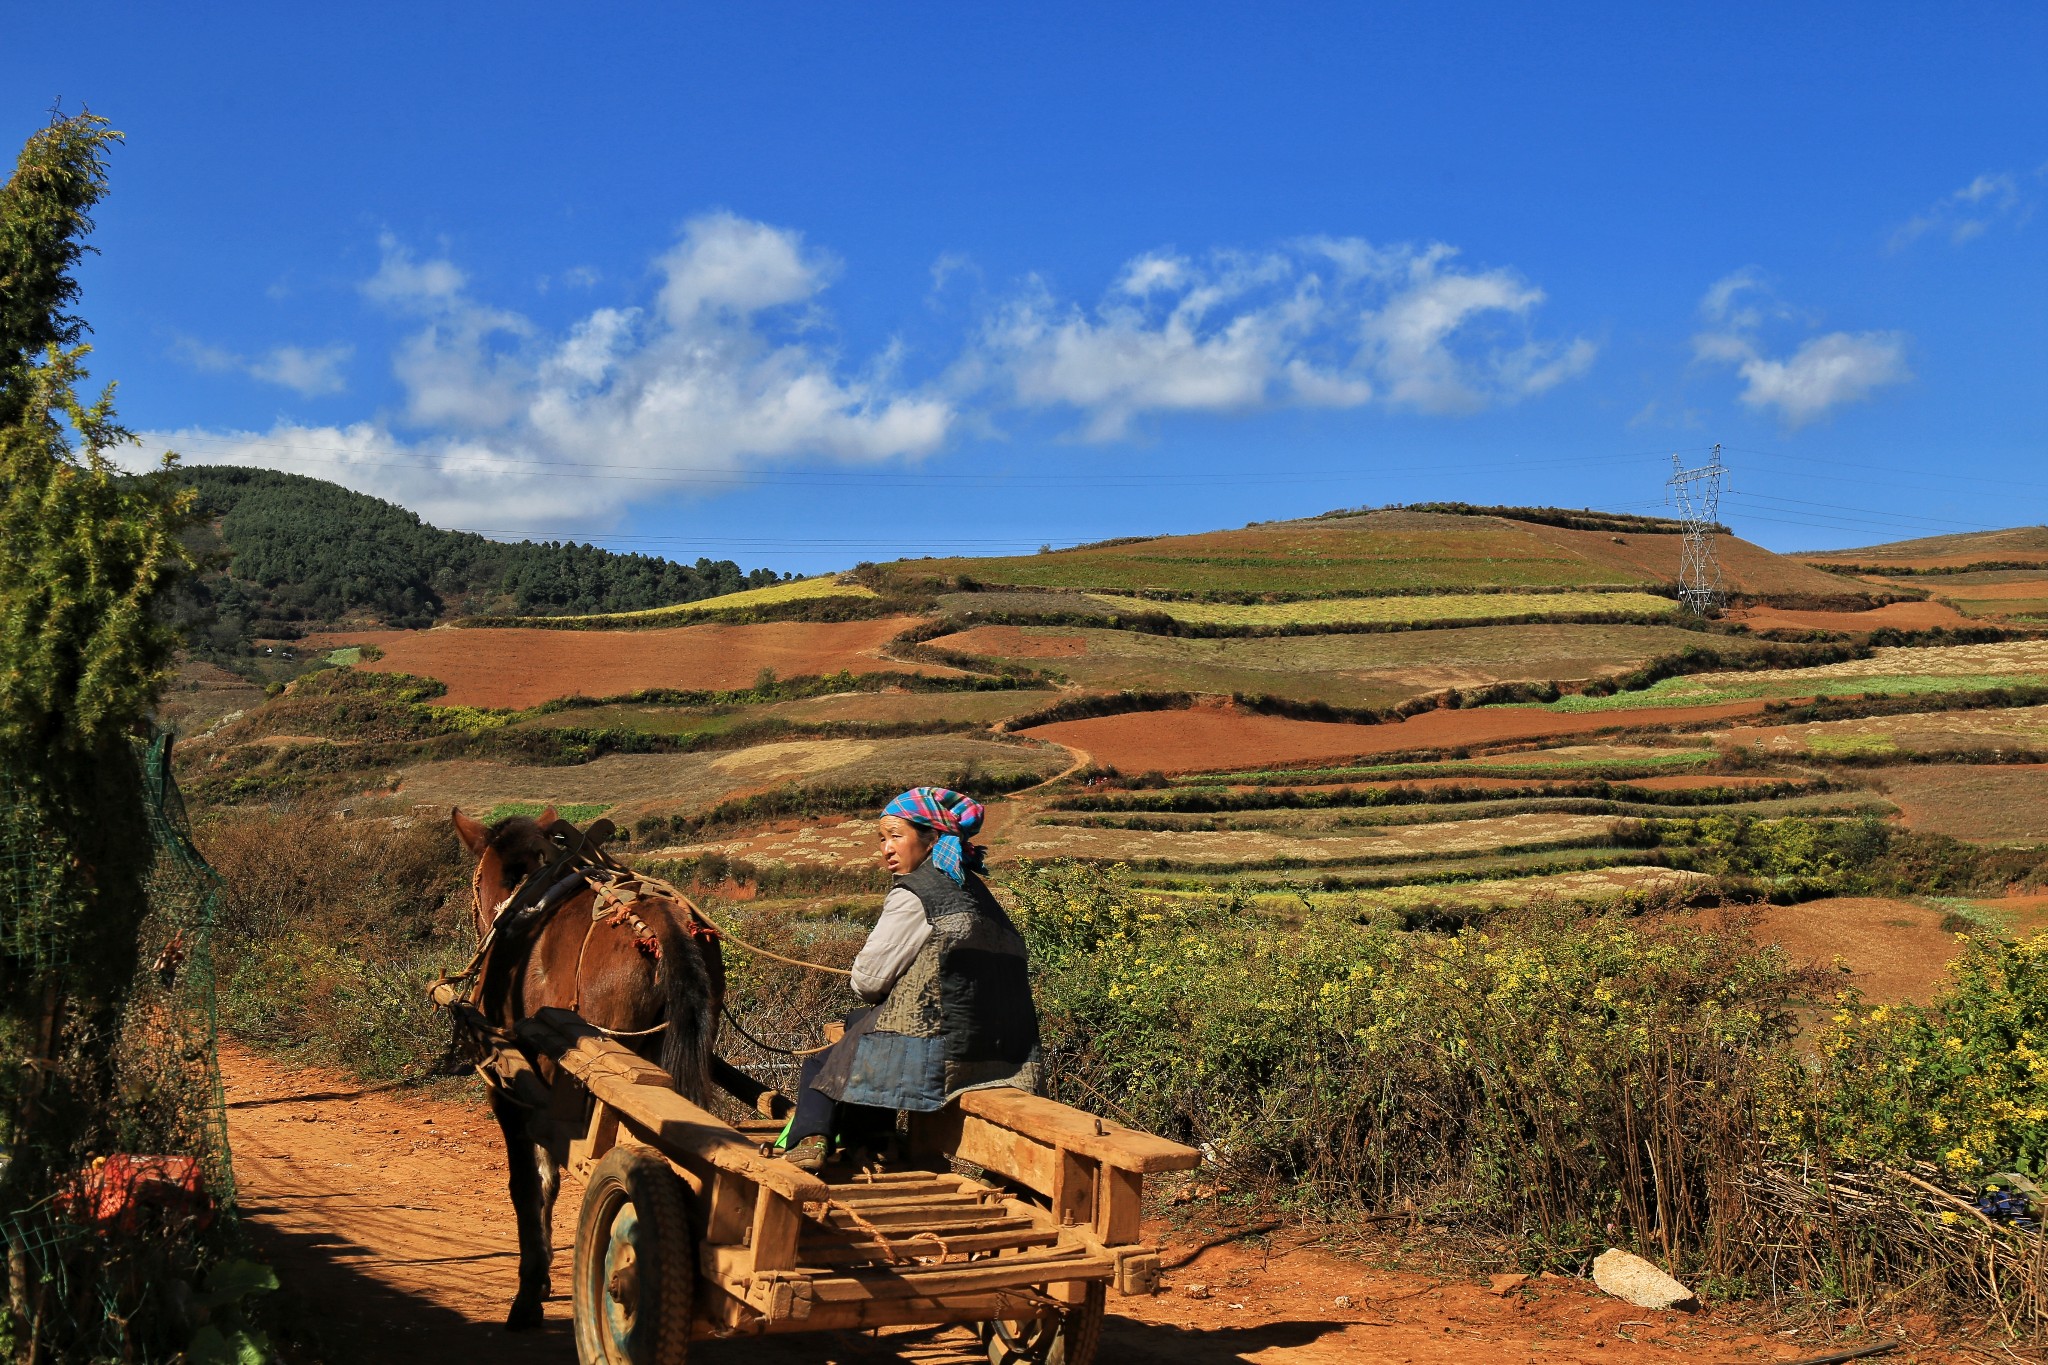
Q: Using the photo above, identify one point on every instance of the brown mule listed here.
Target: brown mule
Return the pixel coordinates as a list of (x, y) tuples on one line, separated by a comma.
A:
[(620, 975)]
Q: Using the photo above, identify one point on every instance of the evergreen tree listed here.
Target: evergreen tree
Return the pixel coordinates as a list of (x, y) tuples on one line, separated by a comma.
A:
[(85, 556)]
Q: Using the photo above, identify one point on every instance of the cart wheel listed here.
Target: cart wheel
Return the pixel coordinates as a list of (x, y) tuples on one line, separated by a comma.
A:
[(636, 1270), (1069, 1339)]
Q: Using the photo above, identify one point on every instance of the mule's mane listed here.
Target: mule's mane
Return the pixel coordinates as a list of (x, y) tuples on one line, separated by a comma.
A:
[(495, 834)]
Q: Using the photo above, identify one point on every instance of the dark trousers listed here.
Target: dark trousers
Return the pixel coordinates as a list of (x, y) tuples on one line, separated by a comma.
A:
[(819, 1115)]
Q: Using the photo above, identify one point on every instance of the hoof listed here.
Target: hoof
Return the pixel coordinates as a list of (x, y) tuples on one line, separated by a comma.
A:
[(526, 1314)]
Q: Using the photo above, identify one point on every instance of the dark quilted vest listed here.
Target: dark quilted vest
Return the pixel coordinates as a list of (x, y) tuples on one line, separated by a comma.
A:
[(959, 1018)]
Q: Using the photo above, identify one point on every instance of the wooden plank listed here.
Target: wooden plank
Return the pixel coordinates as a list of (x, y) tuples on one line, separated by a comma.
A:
[(941, 1228), (1059, 1125), (875, 1179), (647, 1101), (731, 1316), (1073, 1190), (1010, 1154), (1059, 1264), (1119, 1206), (818, 1251), (728, 1208), (602, 1134), (870, 1207), (863, 1194), (777, 1224)]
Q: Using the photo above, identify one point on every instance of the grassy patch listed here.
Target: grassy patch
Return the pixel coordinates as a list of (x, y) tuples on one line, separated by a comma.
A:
[(575, 812)]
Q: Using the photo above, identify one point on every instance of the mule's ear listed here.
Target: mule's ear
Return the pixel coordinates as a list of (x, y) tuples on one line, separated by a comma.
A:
[(472, 834), (547, 817)]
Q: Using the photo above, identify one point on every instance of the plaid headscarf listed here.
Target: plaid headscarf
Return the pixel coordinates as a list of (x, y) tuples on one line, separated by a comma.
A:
[(954, 816)]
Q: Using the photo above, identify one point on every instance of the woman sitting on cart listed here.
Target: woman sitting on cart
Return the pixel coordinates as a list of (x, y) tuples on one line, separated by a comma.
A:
[(945, 975)]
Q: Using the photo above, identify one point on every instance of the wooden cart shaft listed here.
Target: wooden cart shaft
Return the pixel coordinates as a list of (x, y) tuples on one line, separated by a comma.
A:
[(789, 1251)]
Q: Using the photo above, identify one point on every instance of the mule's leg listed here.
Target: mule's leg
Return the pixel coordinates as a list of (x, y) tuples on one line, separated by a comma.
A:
[(532, 1202), (550, 1176)]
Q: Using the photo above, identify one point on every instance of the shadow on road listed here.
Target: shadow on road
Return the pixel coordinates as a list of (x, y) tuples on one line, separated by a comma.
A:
[(330, 1313)]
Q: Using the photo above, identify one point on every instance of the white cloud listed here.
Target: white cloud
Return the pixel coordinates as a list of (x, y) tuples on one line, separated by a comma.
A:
[(1823, 373), (508, 428), (1324, 322), (1967, 213), (402, 281), (308, 371), (311, 372)]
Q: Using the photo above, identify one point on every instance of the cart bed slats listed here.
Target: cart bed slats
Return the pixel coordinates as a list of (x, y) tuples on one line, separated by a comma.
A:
[(821, 1251), (920, 1281)]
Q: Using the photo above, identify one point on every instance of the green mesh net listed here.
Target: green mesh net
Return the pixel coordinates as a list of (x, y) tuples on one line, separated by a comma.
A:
[(122, 1104)]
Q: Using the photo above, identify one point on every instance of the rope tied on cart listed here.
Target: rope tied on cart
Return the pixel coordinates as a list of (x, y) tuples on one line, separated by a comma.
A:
[(891, 1250)]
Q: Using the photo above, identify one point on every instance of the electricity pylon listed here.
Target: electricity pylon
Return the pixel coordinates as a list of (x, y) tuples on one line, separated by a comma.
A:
[(1697, 495)]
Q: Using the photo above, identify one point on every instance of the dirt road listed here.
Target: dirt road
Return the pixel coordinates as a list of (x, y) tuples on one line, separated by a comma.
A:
[(385, 1215)]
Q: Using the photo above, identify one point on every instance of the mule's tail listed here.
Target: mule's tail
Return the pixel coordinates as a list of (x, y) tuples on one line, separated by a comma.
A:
[(690, 1007)]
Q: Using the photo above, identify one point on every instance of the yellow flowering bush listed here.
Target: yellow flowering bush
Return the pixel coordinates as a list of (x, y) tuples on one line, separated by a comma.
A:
[(1962, 1083)]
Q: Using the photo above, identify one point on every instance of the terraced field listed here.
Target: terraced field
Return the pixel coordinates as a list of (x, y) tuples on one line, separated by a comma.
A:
[(1380, 670), (2019, 596), (886, 708), (2008, 729), (1210, 738), (1409, 609), (631, 785), (1983, 803), (1199, 848), (1888, 672)]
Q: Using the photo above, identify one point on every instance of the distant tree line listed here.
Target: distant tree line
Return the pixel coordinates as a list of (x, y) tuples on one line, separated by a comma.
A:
[(289, 552)]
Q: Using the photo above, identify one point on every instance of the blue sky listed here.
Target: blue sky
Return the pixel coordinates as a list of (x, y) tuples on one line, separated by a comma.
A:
[(804, 285)]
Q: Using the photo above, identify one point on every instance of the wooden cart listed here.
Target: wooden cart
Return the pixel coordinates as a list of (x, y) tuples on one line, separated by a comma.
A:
[(1011, 1212)]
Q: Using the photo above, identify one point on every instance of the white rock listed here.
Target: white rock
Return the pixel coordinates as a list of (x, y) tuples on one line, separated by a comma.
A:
[(1634, 1279)]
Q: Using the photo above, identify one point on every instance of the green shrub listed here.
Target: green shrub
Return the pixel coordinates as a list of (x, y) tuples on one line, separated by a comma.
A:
[(1510, 1079)]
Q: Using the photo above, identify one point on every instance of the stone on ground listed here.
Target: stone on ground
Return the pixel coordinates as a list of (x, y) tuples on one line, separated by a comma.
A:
[(1634, 1279)]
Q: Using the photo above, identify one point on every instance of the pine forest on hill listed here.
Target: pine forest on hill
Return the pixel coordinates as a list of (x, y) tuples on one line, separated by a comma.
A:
[(293, 553)]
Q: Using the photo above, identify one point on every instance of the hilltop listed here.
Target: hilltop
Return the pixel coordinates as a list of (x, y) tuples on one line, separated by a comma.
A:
[(1386, 552), (2014, 546)]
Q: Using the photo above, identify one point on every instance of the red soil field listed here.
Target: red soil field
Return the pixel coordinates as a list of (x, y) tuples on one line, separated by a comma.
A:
[(1208, 738), (1896, 615), (1895, 951), (518, 667)]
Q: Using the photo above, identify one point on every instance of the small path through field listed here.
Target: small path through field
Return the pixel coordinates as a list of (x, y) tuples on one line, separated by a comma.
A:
[(384, 1213)]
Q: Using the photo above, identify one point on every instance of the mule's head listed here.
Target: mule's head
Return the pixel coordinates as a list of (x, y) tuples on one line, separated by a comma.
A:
[(507, 853)]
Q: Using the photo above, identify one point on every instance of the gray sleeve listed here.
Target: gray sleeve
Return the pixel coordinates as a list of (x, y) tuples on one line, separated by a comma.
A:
[(893, 944)]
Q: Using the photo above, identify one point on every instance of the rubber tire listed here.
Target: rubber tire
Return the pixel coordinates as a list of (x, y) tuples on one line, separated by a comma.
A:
[(633, 1180), (1080, 1332)]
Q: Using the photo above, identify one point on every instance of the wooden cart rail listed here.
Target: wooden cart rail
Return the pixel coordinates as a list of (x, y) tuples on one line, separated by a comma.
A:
[(793, 1252)]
